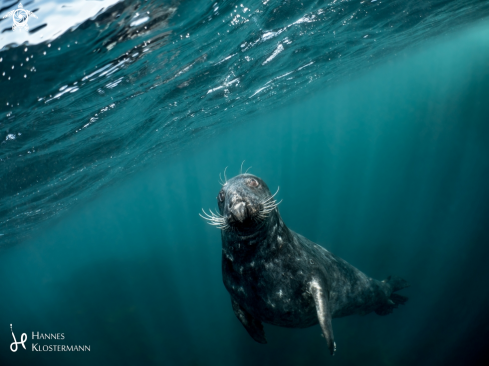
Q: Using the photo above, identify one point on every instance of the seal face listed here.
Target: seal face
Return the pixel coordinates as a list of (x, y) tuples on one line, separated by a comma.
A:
[(279, 277)]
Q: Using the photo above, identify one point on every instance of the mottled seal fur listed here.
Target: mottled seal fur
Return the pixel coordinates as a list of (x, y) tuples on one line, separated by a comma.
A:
[(279, 277)]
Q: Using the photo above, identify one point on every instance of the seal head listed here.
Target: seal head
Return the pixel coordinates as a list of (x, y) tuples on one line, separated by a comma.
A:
[(244, 203)]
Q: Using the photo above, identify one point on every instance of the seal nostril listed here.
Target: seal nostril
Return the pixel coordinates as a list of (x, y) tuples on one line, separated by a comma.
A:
[(239, 211)]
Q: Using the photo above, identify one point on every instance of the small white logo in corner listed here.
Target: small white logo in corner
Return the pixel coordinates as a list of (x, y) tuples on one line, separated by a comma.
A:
[(20, 17), (14, 344)]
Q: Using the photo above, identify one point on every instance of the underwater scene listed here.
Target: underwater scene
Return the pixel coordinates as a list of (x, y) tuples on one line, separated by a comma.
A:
[(266, 182)]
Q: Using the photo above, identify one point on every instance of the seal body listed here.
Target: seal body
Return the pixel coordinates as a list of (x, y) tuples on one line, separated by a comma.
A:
[(279, 277)]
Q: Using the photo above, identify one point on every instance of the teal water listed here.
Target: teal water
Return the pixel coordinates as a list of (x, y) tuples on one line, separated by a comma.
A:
[(386, 167), (141, 80)]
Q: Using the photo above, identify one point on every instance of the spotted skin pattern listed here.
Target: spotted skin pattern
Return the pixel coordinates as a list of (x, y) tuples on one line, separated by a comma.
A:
[(279, 277)]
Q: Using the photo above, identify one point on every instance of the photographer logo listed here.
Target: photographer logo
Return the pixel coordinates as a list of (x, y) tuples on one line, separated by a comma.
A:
[(14, 344), (20, 17), (43, 337)]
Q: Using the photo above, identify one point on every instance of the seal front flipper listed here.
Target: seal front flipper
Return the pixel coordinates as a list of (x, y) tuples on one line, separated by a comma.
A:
[(323, 312), (252, 325)]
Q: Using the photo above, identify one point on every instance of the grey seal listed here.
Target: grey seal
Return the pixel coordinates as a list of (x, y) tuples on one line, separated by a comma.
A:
[(279, 277)]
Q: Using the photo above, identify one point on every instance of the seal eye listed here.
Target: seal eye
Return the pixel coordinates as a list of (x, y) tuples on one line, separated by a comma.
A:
[(221, 196), (253, 183)]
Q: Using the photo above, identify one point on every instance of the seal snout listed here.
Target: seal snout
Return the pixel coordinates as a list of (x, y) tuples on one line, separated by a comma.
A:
[(239, 211)]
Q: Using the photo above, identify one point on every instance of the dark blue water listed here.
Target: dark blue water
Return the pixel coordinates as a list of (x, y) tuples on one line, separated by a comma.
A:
[(381, 155)]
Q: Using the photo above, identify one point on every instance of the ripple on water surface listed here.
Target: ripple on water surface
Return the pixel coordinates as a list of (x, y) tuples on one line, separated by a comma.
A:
[(96, 89)]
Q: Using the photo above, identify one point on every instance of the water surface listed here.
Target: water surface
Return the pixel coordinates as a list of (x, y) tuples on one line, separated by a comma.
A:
[(104, 88)]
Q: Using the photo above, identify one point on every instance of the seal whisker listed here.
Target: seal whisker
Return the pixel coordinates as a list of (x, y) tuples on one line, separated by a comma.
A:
[(269, 207), (271, 197), (221, 181), (206, 214), (272, 204), (241, 169), (213, 214), (213, 218), (218, 225), (247, 170), (278, 203), (224, 227), (211, 221), (216, 213)]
